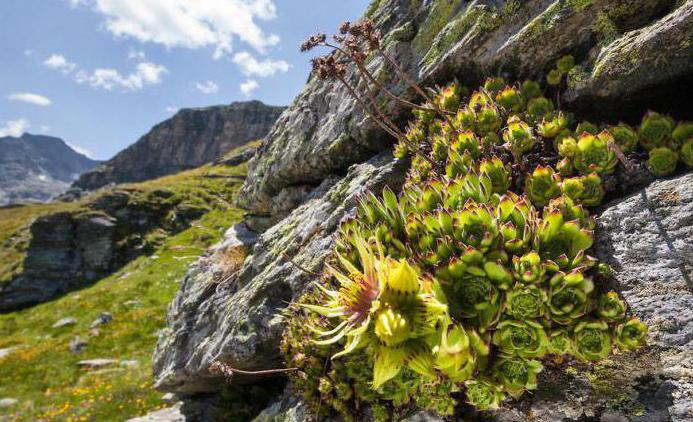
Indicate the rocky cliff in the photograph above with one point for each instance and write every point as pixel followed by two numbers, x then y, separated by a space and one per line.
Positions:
pixel 323 153
pixel 37 168
pixel 189 139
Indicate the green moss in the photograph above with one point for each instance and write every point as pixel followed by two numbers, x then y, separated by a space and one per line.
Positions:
pixel 605 29
pixel 372 8
pixel 544 22
pixel 441 12
pixel 579 5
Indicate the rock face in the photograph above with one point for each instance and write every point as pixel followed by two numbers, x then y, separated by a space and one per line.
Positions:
pixel 36 168
pixel 189 139
pixel 620 47
pixel 72 249
pixel 304 178
pixel 237 318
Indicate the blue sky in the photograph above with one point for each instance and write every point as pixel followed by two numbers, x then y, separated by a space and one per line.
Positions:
pixel 101 73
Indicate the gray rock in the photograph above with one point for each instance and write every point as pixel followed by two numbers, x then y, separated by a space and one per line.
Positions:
pixel 7 402
pixel 168 414
pixel 103 318
pixel 96 363
pixel 77 345
pixel 64 322
pixel 238 321
pixel 168 397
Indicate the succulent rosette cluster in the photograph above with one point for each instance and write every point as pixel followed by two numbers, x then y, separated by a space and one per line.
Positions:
pixel 479 269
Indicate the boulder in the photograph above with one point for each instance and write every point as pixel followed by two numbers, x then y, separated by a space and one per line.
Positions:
pixel 64 322
pixel 238 321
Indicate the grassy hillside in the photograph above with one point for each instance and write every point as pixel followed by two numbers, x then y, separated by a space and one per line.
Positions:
pixel 41 372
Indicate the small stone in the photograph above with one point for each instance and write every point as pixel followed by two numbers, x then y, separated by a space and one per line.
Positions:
pixel 94 332
pixel 7 402
pixel 6 352
pixel 65 322
pixel 129 363
pixel 132 303
pixel 96 363
pixel 169 397
pixel 77 344
pixel 104 318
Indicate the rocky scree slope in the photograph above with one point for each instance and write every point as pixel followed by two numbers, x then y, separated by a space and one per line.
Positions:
pixel 189 139
pixel 307 176
pixel 35 168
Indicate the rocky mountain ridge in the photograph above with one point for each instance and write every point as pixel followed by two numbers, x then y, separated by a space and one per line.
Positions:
pixel 189 139
pixel 36 168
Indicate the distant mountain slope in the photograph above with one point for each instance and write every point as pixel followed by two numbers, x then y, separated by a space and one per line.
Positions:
pixel 189 139
pixel 36 168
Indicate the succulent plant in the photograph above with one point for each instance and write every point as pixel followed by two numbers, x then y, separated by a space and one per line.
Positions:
pixel 687 153
pixel 488 120
pixel 542 185
pixel 593 154
pixel 511 99
pixel 461 280
pixel 518 136
pixel 624 136
pixel 662 161
pixel 586 190
pixel 497 172
pixel 530 89
pixel 386 304
pixel 457 351
pixel 494 85
pixel 468 142
pixel 655 129
pixel 611 307
pixel 682 134
pixel 560 342
pixel 484 395
pixel 554 77
pixel 630 335
pixel 552 125
pixel 591 340
pixel 517 374
pixel 529 268
pixel 526 302
pixel 524 338
pixel 539 106
pixel 586 127
pixel 516 217
pixel 569 296
pixel 565 64
pixel 571 210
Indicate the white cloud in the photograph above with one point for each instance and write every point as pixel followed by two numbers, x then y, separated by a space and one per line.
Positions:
pixel 14 127
pixel 27 97
pixel 171 109
pixel 45 128
pixel 59 62
pixel 252 67
pixel 208 87
pixel 144 74
pixel 135 54
pixel 188 23
pixel 28 52
pixel 249 86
